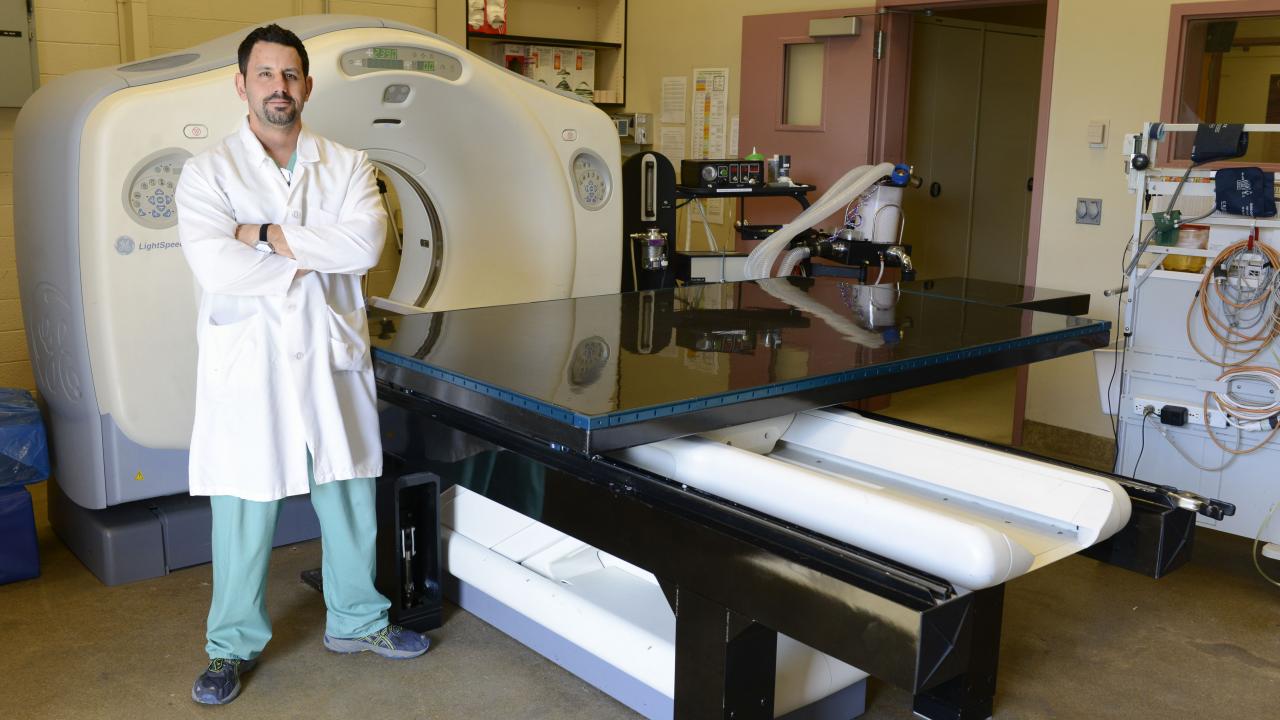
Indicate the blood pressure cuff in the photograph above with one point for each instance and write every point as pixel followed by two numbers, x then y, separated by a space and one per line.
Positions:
pixel 1219 141
pixel 1245 191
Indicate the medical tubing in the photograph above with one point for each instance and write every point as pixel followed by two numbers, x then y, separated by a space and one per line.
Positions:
pixel 1177 191
pixel 1257 540
pixel 1164 432
pixel 1246 337
pixel 706 225
pixel 1242 409
pixel 782 289
pixel 1237 409
pixel 1228 335
pixel 793 258
pixel 635 280
pixel 761 260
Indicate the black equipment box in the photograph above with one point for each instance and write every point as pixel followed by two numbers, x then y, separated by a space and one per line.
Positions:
pixel 722 173
pixel 409 562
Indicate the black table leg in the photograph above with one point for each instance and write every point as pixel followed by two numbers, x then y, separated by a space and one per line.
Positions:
pixel 725 663
pixel 969 696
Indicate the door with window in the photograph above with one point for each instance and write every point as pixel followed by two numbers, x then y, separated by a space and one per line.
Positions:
pixel 810 98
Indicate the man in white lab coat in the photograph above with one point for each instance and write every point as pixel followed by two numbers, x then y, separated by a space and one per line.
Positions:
pixel 279 225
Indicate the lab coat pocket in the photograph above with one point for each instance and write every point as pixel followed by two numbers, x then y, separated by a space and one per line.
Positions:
pixel 349 341
pixel 235 353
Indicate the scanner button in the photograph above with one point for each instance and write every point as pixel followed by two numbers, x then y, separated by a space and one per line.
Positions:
pixel 196 132
pixel 569 135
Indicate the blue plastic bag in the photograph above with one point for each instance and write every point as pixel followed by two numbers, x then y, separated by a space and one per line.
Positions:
pixel 19 546
pixel 24 448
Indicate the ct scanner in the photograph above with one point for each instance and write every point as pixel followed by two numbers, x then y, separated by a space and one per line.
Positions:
pixel 508 196
pixel 105 288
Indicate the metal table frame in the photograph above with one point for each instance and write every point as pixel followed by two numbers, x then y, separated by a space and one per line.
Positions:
pixel 754 576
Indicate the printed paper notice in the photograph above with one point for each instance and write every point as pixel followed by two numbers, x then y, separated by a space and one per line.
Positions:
pixel 733 137
pixel 709 113
pixel 674 91
pixel 671 144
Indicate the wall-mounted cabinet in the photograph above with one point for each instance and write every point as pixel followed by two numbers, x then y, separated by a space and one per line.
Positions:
pixel 597 26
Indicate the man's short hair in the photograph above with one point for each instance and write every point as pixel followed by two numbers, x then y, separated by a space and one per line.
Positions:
pixel 273 34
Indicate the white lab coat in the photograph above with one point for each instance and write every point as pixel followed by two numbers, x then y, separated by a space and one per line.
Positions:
pixel 284 364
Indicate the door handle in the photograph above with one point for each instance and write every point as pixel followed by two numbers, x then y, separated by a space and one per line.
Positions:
pixel 935 189
pixel 1031 183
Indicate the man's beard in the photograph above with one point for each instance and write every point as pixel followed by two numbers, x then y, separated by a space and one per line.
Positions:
pixel 278 118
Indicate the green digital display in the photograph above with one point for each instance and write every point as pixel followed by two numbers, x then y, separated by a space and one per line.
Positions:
pixel 401 58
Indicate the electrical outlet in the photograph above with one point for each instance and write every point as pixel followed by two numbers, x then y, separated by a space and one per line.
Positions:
pixel 1195 413
pixel 1088 211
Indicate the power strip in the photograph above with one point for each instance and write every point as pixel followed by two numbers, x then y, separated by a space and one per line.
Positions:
pixel 1195 412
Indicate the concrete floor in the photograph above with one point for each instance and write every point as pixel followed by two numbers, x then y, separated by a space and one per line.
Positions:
pixel 1081 639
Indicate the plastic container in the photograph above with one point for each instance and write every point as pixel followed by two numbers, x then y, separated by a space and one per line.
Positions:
pixel 1194 237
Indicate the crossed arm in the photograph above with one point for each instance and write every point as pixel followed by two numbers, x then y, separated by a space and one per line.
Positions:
pixel 248 234
pixel 222 255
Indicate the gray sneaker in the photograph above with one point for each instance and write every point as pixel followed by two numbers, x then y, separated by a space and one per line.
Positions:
pixel 219 684
pixel 391 641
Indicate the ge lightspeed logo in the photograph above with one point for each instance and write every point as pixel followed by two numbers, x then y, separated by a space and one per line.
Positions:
pixel 125 245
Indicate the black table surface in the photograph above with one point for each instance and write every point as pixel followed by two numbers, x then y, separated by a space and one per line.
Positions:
pixel 604 372
pixel 1065 302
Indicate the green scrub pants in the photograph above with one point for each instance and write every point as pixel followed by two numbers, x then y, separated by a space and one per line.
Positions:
pixel 242 531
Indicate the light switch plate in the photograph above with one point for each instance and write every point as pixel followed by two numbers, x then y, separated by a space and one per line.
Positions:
pixel 1098 134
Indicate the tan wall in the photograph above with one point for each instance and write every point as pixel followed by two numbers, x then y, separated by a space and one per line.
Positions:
pixel 1103 70
pixel 15 369
pixel 179 24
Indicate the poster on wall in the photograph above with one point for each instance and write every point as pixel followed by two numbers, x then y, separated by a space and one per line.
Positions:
pixel 671 144
pixel 709 112
pixel 709 123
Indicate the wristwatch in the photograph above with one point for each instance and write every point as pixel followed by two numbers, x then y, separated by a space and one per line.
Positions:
pixel 263 246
